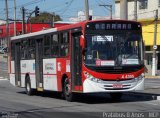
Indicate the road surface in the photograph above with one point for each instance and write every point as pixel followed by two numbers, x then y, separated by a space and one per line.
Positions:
pixel 14 103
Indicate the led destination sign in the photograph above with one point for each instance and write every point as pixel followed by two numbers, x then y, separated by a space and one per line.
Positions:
pixel 113 26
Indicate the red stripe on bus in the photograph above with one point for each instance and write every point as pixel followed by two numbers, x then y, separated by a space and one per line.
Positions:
pixel 34 74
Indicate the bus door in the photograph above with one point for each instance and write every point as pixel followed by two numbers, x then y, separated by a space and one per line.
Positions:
pixel 39 63
pixel 17 65
pixel 76 61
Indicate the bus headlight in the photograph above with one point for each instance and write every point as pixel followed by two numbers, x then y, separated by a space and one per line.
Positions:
pixel 95 80
pixel 90 77
pixel 139 77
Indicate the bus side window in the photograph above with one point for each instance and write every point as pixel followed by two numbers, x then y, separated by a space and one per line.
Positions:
pixel 64 48
pixel 47 43
pixel 55 45
pixel 31 49
pixel 24 49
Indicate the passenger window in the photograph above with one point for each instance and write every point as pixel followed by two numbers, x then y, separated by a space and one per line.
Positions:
pixel 64 47
pixel 55 45
pixel 54 40
pixel 31 49
pixel 47 43
pixel 24 49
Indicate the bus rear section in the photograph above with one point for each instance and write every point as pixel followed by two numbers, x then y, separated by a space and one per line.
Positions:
pixel 88 57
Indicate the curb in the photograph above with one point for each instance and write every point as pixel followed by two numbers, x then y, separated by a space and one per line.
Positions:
pixel 149 96
pixel 152 77
pixel 5 79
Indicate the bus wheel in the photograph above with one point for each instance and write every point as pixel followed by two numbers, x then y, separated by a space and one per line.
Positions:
pixel 116 96
pixel 29 90
pixel 67 91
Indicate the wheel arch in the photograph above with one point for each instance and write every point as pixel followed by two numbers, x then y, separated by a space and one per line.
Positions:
pixel 64 76
pixel 27 75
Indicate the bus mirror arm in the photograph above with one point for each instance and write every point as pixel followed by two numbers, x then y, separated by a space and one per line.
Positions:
pixel 84 51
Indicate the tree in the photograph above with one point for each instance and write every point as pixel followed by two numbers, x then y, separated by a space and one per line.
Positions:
pixel 45 17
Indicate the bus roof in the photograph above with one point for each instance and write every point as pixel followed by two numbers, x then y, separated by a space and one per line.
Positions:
pixel 34 34
pixel 47 31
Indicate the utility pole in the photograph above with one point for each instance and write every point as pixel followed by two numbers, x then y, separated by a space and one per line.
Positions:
pixel 135 10
pixel 23 20
pixel 54 15
pixel 7 34
pixel 123 9
pixel 15 18
pixel 7 24
pixel 108 7
pixel 154 67
pixel 86 9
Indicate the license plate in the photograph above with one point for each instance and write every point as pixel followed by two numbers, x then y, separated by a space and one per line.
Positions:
pixel 117 86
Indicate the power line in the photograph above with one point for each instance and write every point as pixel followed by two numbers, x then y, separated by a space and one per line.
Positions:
pixel 67 7
pixel 27 4
pixel 98 2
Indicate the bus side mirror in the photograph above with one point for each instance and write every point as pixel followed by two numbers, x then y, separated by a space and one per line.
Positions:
pixel 82 42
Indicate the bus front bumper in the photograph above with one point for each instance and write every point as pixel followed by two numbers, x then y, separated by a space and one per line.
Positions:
pixel 90 86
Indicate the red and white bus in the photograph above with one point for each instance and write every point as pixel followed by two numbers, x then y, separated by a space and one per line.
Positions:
pixel 87 57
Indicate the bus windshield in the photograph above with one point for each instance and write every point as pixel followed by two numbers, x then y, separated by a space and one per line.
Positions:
pixel 121 48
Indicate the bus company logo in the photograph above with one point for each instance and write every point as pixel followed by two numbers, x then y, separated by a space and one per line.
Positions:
pixel 49 66
pixel 24 65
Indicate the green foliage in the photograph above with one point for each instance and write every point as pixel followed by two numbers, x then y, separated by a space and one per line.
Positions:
pixel 45 17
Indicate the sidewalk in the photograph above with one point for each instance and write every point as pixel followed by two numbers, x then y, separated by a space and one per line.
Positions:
pixel 152 77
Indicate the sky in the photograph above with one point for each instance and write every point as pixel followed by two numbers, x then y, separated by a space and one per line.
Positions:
pixel 65 8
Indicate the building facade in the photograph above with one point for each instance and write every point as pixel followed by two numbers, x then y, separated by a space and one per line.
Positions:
pixel 29 28
pixel 145 15
pixel 145 9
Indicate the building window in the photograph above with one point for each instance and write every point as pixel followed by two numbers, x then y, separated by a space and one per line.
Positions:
pixel 143 4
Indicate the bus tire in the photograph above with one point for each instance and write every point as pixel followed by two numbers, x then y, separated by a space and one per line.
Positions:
pixel 68 95
pixel 29 90
pixel 116 96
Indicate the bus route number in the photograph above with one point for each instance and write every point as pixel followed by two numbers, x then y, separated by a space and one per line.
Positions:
pixel 128 76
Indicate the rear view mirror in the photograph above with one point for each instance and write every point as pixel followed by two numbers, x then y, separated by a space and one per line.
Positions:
pixel 82 42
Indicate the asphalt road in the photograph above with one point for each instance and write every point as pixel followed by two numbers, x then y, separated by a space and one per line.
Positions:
pixel 3 70
pixel 14 103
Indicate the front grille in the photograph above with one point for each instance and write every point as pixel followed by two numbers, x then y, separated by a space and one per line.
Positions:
pixel 118 85
pixel 116 88
pixel 111 86
pixel 121 80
